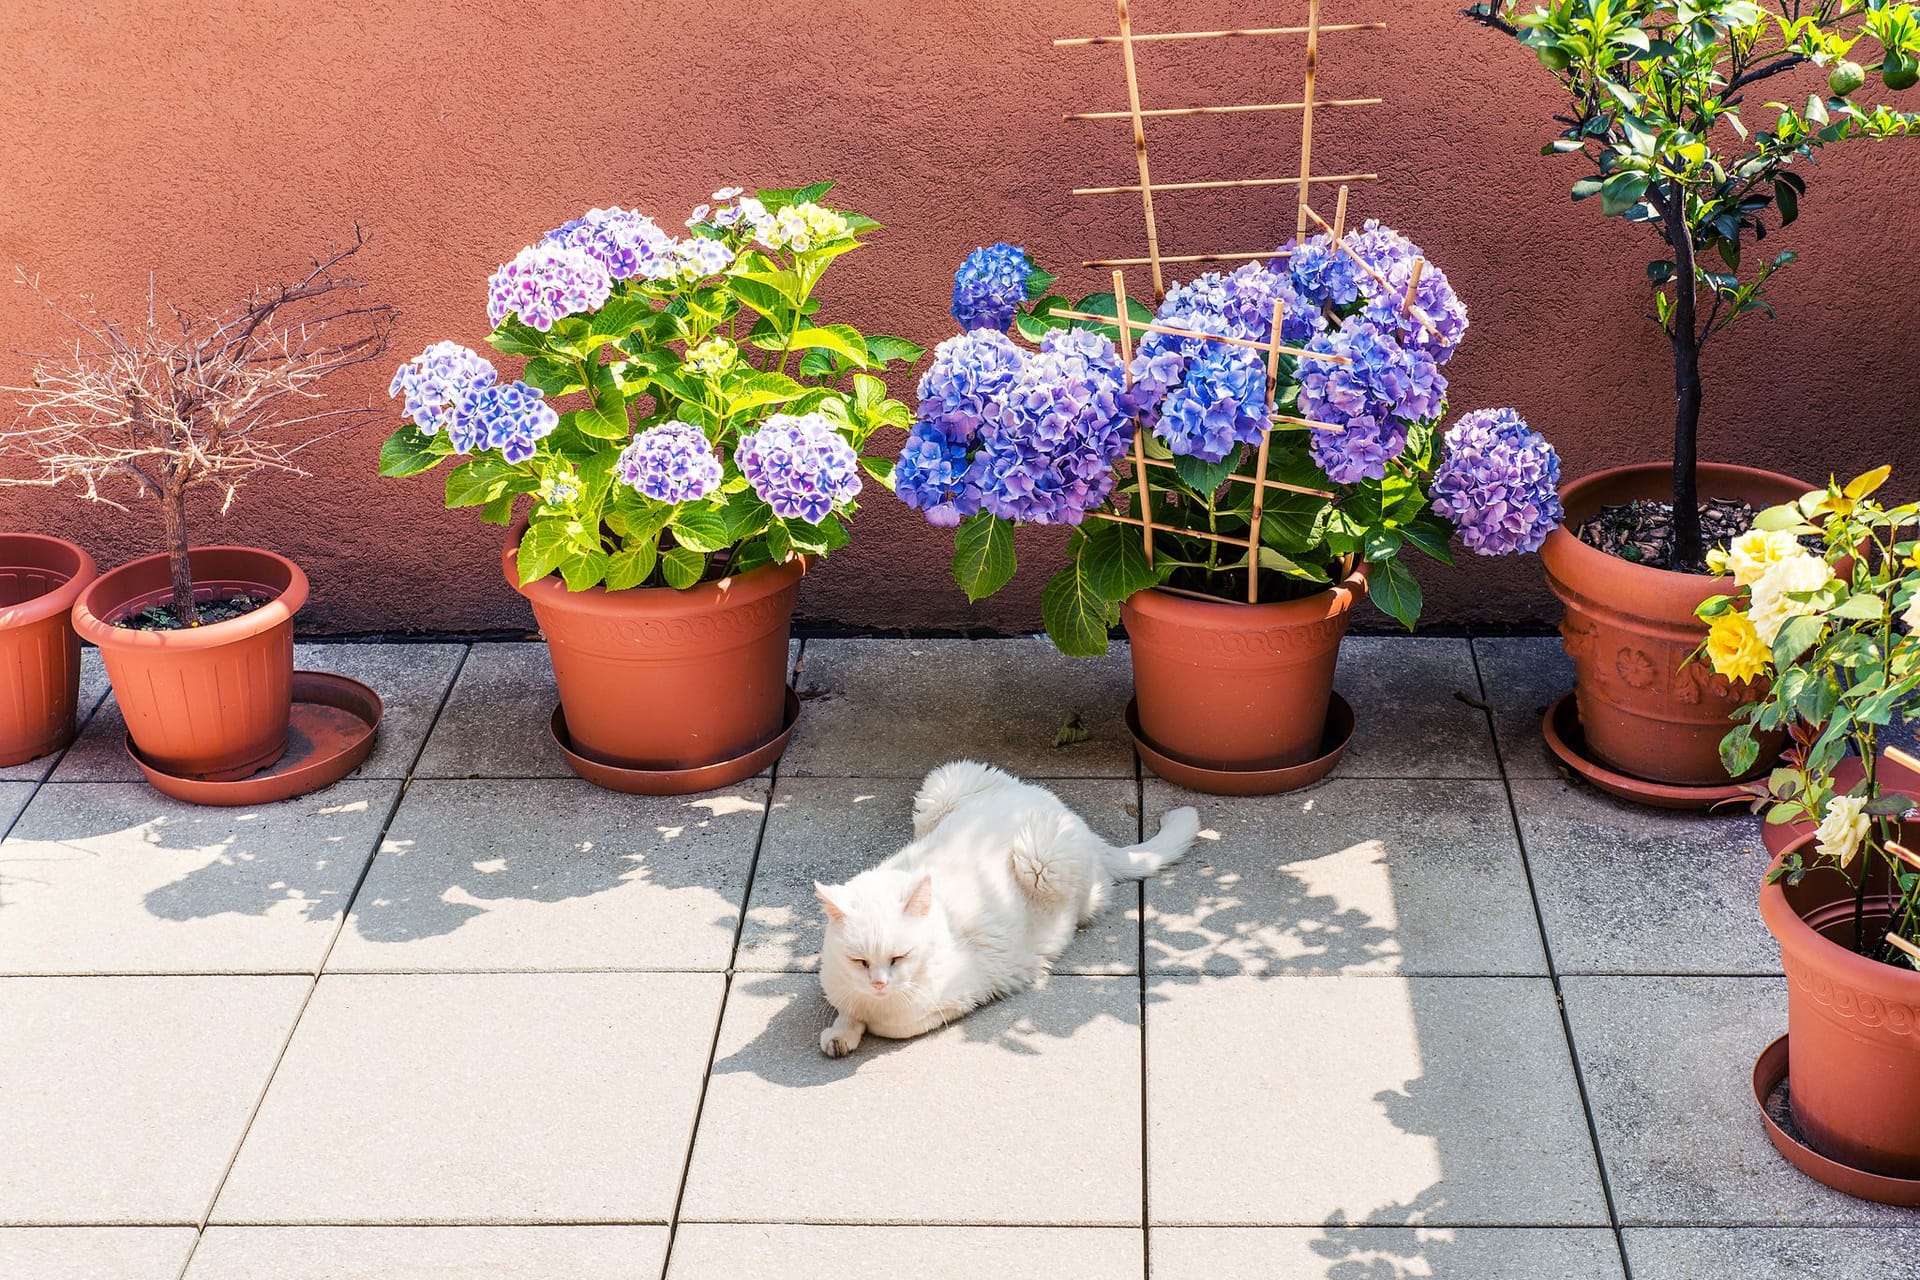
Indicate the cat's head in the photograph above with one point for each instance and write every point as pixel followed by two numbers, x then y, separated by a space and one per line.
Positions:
pixel 879 930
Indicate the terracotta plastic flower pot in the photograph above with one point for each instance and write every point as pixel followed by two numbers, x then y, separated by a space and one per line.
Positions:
pixel 40 578
pixel 1853 1025
pixel 656 679
pixel 209 702
pixel 1237 686
pixel 1644 710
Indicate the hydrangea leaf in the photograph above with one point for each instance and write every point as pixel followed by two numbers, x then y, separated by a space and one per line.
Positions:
pixel 1115 558
pixel 481 480
pixel 883 349
pixel 409 451
pixel 542 547
pixel 682 567
pixel 762 389
pixel 983 559
pixel 631 565
pixel 701 528
pixel 584 569
pixel 1394 589
pixel 841 339
pixel 1077 617
pixel 1207 477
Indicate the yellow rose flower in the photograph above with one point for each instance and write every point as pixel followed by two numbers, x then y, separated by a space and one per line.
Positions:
pixel 1734 647
pixel 1752 552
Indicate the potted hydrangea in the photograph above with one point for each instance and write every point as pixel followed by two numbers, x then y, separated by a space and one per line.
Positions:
pixel 1236 693
pixel 683 437
pixel 1830 639
pixel 1665 109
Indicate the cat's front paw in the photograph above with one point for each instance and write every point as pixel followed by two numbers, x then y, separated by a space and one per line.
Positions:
pixel 838 1042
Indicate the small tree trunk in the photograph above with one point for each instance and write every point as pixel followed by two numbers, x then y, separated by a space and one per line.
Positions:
pixel 173 514
pixel 1687 550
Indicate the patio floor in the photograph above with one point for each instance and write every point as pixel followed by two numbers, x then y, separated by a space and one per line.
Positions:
pixel 462 1015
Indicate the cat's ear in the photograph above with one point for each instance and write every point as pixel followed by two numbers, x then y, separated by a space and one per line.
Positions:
pixel 920 901
pixel 828 903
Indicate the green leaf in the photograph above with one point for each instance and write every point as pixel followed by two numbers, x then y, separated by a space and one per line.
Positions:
pixel 682 567
pixel 542 547
pixel 1864 607
pixel 700 528
pixel 1039 281
pixel 619 317
pixel 1077 617
pixel 1738 751
pixel 1432 535
pixel 517 339
pixel 983 559
pixel 785 284
pixel 409 451
pixel 1382 544
pixel 762 389
pixel 584 569
pixel 1395 590
pixel 880 469
pixel 1781 518
pixel 1103 304
pixel 1271 559
pixel 1621 192
pixel 1206 477
pixel 481 480
pixel 631 565
pixel 841 339
pixel 605 420
pixel 883 349
pixel 1115 560
pixel 1788 201
pixel 1796 638
pixel 1587 187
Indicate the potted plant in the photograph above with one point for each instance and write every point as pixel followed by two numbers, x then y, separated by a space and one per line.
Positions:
pixel 40 578
pixel 198 640
pixel 1235 595
pixel 682 439
pixel 1659 96
pixel 1831 638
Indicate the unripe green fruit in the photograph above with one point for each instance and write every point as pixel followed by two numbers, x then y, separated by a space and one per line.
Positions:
pixel 1552 57
pixel 1845 78
pixel 1900 71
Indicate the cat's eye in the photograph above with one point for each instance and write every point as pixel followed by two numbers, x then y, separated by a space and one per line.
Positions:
pixel 859 960
pixel 897 959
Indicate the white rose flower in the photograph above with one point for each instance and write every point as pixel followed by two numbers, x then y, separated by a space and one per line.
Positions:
pixel 1750 554
pixel 1771 605
pixel 1843 828
pixel 1912 615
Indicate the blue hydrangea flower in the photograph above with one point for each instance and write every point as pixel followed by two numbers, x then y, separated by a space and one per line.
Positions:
pixel 934 476
pixel 671 462
pixel 1499 483
pixel 970 371
pixel 1393 255
pixel 1049 445
pixel 990 286
pixel 624 241
pixel 438 380
pixel 1382 391
pixel 509 416
pixel 801 466
pixel 547 282
pixel 1321 274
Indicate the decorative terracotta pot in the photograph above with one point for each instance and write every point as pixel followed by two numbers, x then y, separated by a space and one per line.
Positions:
pixel 1853 1024
pixel 40 578
pixel 1644 709
pixel 657 679
pixel 1237 686
pixel 209 702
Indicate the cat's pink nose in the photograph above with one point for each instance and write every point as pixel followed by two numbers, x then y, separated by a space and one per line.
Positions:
pixel 879 984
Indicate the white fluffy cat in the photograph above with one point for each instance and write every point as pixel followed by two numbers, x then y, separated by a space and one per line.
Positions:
pixel 983 901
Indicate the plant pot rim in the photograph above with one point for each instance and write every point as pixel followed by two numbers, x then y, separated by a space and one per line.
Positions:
pixel 59 600
pixel 96 609
pixel 1788 929
pixel 733 590
pixel 1336 598
pixel 1576 557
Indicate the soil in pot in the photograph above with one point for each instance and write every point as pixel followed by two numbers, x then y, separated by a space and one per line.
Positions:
pixel 160 617
pixel 1641 531
pixel 40 578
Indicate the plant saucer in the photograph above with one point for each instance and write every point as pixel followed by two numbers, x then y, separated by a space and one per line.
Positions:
pixel 1249 782
pixel 1772 1092
pixel 1568 742
pixel 675 782
pixel 329 735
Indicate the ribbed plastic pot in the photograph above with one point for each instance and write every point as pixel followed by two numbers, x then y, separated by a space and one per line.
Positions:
pixel 1644 709
pixel 1237 686
pixel 209 702
pixel 1853 1025
pixel 658 679
pixel 40 578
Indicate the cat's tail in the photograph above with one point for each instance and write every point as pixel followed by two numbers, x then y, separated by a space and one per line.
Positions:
pixel 1177 831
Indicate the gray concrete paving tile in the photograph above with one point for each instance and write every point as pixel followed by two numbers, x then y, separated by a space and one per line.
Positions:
pixel 495 722
pixel 430 1253
pixel 1627 889
pixel 94 1253
pixel 1774 1253
pixel 1408 723
pixel 1385 1253
pixel 125 1097
pixel 411 679
pixel 13 799
pixel 1668 1064
pixel 93 687
pixel 760 1251
pixel 554 873
pixel 114 877
pixel 1372 1100
pixel 831 829
pixel 480 1098
pixel 1066 1153
pixel 999 701
pixel 1522 677
pixel 1350 876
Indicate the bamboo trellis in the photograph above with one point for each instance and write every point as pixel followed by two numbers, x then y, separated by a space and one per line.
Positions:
pixel 1274 347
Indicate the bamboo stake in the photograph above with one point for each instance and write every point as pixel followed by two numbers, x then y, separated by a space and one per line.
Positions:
pixel 1225 183
pixel 1903 853
pixel 1140 145
pixel 1129 322
pixel 1237 478
pixel 1900 942
pixel 1183 257
pixel 1341 245
pixel 1117 518
pixel 1306 115
pixel 1905 759
pixel 1413 285
pixel 1139 445
pixel 1340 216
pixel 1260 466
pixel 1084 41
pixel 1167 112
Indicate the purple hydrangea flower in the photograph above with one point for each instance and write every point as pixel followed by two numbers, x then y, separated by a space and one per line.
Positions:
pixel 699 257
pixel 1498 483
pixel 800 465
pixel 624 241
pixel 1322 274
pixel 508 416
pixel 438 381
pixel 969 372
pixel 990 286
pixel 671 462
pixel 1383 390
pixel 1393 255
pixel 1048 447
pixel 547 282
pixel 934 476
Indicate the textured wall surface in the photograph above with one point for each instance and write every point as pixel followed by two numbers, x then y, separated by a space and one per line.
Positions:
pixel 216 144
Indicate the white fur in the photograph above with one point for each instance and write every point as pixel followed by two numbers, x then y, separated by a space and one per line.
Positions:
pixel 980 905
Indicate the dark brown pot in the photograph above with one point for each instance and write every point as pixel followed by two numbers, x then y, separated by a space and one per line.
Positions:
pixel 1237 686
pixel 1853 1024
pixel 209 702
pixel 1644 709
pixel 657 679
pixel 40 578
